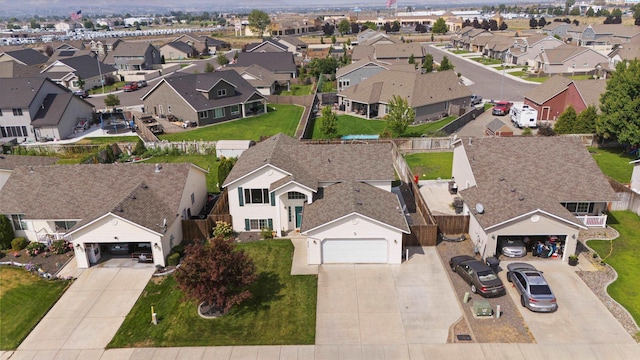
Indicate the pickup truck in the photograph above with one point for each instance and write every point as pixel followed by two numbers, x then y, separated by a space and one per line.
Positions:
pixel 501 108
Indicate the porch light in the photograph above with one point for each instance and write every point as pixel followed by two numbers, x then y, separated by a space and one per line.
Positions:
pixel 156 246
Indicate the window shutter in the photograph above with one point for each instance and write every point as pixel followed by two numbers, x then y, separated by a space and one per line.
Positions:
pixel 241 196
pixel 273 199
pixel 247 225
pixel 270 224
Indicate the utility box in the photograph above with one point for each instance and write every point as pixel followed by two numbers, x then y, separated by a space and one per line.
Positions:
pixel 481 307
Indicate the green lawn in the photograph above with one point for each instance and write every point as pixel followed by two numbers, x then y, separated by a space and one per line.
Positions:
pixel 281 311
pixel 614 163
pixel 298 90
pixel 280 118
pixel 204 161
pixel 431 165
pixel 460 52
pixel 25 299
pixel 352 125
pixel 486 61
pixel 581 77
pixel 538 79
pixel 104 140
pixel 623 254
pixel 107 88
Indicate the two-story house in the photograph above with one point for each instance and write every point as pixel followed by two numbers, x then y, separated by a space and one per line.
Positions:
pixel 37 108
pixel 338 195
pixel 134 56
pixel 68 72
pixel 205 98
pixel 525 49
pixel 568 59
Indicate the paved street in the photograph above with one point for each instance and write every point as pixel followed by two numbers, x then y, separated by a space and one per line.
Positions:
pixel 487 82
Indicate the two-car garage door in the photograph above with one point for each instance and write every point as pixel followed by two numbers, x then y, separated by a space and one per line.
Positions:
pixel 354 251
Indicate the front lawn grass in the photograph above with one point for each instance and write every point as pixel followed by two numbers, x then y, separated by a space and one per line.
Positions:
pixel 104 140
pixel 486 61
pixel 459 52
pixel 352 125
pixel 25 299
pixel 614 163
pixel 298 90
pixel 431 165
pixel 107 88
pixel 209 162
pixel 282 310
pixel 623 254
pixel 279 119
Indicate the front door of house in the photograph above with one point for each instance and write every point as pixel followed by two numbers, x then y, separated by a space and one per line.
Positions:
pixel 298 216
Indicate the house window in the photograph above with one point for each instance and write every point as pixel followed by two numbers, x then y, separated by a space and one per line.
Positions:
pixel 64 225
pixel 258 224
pixel 235 109
pixel 203 114
pixel 218 113
pixel 17 112
pixel 222 92
pixel 579 207
pixel 18 223
pixel 14 131
pixel 256 196
pixel 295 195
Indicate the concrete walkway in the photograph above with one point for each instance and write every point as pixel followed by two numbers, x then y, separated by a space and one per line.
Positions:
pixel 299 265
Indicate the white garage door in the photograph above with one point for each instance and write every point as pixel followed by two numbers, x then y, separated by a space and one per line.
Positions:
pixel 354 251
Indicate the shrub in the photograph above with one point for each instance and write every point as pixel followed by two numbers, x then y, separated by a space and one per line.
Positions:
pixel 6 232
pixel 35 248
pixel 173 259
pixel 178 249
pixel 60 247
pixel 19 243
pixel 266 233
pixel 222 229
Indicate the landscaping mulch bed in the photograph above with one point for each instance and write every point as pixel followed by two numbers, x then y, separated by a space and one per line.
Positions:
pixel 509 328
pixel 50 263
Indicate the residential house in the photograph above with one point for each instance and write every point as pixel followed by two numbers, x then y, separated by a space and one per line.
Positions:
pixel 288 24
pixel 27 57
pixel 134 56
pixel 318 52
pixel 205 98
pixel 276 62
pixel 37 108
pixel 431 95
pixel 525 49
pixel 104 46
pixel 338 195
pixel 392 53
pixel 10 162
pixel 557 28
pixel 142 205
pixel 568 59
pixel 267 45
pixel 262 79
pixel 471 39
pixel 635 176
pixel 358 71
pixel 67 72
pixel 624 52
pixel 204 44
pixel 177 50
pixel 498 47
pixel 600 34
pixel 293 44
pixel 61 54
pixel 371 37
pixel 552 97
pixel 533 188
pixel 9 69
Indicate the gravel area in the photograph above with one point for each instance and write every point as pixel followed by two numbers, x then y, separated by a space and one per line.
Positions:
pixel 598 280
pixel 509 328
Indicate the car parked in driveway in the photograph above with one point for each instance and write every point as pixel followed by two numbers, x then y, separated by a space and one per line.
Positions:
pixel 476 99
pixel 512 247
pixel 132 86
pixel 535 293
pixel 501 108
pixel 478 275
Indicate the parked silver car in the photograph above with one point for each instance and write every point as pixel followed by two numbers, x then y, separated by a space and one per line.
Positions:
pixel 512 247
pixel 535 293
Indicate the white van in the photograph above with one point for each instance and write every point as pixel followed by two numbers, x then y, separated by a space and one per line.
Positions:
pixel 523 116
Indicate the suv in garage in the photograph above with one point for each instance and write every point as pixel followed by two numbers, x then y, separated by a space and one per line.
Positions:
pixel 501 108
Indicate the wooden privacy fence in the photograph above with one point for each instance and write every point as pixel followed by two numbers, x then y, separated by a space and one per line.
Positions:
pixel 421 235
pixel 193 229
pixel 452 224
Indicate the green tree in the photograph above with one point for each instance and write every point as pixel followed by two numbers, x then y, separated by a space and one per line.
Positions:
pixel 575 11
pixel 590 12
pixel 616 12
pixel 344 26
pixel 586 123
pixel 80 82
pixel 88 24
pixel 111 100
pixel 140 148
pixel 400 115
pixel 445 64
pixel 216 274
pixel 329 123
pixel 224 168
pixel 6 232
pixel 221 59
pixel 427 65
pixel 566 121
pixel 208 67
pixel 412 59
pixel 369 25
pixel 440 27
pixel 333 40
pixel 620 105
pixel 258 21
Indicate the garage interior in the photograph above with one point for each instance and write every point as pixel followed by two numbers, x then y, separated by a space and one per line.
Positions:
pixel 543 246
pixel 98 252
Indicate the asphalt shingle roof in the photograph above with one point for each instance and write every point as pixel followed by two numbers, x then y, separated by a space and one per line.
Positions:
pixel 10 162
pixel 86 66
pixel 518 175
pixel 19 92
pixel 28 56
pixel 273 61
pixel 182 46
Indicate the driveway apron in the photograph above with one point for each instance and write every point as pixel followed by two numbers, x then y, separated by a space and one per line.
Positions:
pixel 90 312
pixel 385 304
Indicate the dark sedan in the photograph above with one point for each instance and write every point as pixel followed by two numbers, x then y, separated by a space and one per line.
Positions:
pixel 478 275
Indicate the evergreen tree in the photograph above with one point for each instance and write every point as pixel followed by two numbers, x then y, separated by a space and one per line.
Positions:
pixel 329 123
pixel 566 121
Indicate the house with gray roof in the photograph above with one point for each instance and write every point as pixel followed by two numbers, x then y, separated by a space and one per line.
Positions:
pixel 27 57
pixel 624 52
pixel 177 50
pixel 525 49
pixel 262 79
pixel 205 98
pixel 276 62
pixel 36 108
pixel 293 44
pixel 555 95
pixel 9 69
pixel 10 162
pixel 140 205
pixel 267 45
pixel 431 95
pixel 338 195
pixel 134 56
pixel 568 58
pixel 548 196
pixel 204 44
pixel 67 72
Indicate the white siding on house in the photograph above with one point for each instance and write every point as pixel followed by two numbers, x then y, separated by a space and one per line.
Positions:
pixel 635 177
pixel 461 170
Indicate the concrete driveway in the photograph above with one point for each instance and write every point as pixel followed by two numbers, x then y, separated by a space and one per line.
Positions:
pixel 581 317
pixel 90 312
pixel 411 303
